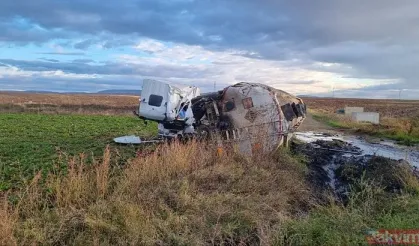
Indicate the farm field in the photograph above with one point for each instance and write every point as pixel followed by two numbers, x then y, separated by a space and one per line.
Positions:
pixel 63 182
pixel 33 142
pixel 60 99
pixel 399 120
pixel 387 108
pixel 116 104
pixel 68 103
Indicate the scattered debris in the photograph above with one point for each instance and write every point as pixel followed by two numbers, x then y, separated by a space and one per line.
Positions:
pixel 132 139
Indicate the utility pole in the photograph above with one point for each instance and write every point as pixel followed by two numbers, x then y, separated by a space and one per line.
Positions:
pixel 215 86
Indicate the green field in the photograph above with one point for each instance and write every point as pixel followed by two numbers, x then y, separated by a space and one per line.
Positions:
pixel 33 142
pixel 180 194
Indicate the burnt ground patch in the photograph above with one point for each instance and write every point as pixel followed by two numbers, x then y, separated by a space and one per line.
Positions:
pixel 336 168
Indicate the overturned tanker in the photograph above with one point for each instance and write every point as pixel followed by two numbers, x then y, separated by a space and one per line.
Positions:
pixel 246 116
pixel 251 116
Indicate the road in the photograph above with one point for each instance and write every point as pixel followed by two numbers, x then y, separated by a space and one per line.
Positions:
pixel 312 125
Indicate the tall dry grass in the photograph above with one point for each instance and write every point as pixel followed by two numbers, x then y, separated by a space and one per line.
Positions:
pixel 177 195
pixel 405 130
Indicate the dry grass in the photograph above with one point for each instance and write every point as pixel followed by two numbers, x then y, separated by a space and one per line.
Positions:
pixel 7 223
pixel 399 119
pixel 405 130
pixel 177 195
pixel 386 108
pixel 67 99
pixel 67 103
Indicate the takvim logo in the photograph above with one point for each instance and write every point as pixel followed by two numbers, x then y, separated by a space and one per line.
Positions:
pixel 393 237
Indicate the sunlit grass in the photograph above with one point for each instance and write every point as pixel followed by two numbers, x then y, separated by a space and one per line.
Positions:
pixel 403 130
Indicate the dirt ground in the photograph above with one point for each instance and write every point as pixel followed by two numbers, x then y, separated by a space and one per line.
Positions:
pixel 68 103
pixel 311 124
pixel 67 99
pixel 387 108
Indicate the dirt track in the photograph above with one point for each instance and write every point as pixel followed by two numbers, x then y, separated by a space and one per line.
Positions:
pixel 311 124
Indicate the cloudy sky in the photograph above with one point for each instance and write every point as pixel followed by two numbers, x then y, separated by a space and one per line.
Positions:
pixel 356 48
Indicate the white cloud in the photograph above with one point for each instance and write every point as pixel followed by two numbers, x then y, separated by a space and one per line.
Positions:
pixel 189 64
pixel 10 72
pixel 229 67
pixel 149 45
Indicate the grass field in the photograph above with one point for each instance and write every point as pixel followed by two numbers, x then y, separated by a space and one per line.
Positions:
pixel 189 195
pixel 399 120
pixel 30 142
pixel 180 194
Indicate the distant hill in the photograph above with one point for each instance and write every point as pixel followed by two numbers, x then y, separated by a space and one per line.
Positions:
pixel 42 92
pixel 312 96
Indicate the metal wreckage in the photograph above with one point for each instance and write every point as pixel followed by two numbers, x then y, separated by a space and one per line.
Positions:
pixel 246 116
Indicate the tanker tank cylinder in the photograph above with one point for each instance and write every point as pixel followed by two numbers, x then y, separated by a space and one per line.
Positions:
pixel 252 117
pixel 264 117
